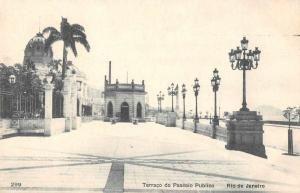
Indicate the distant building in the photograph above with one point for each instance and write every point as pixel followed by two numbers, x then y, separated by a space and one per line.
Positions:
pixel 91 98
pixel 124 101
pixel 95 99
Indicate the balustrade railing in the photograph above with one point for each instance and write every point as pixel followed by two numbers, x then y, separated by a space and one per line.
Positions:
pixel 125 87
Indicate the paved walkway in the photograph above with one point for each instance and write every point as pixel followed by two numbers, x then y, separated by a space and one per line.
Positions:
pixel 147 157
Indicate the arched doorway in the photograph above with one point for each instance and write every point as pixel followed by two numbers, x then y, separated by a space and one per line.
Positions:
pixel 110 110
pixel 139 110
pixel 124 111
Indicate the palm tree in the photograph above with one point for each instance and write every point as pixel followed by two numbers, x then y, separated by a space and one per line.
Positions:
pixel 69 34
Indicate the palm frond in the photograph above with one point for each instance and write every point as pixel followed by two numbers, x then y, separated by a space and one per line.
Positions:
pixel 53 37
pixel 78 27
pixel 83 41
pixel 59 61
pixel 77 32
pixel 73 47
pixel 50 29
pixel 2 65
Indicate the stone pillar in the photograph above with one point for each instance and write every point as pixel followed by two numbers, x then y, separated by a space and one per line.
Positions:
pixel 133 109
pixel 171 119
pixel 143 110
pixel 67 103
pixel 74 102
pixel 245 133
pixel 80 108
pixel 48 108
pixel 177 103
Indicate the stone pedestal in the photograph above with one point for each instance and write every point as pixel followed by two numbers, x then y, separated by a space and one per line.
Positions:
pixel 48 108
pixel 67 103
pixel 245 133
pixel 171 119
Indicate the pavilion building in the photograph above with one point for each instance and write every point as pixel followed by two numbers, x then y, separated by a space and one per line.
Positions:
pixel 124 101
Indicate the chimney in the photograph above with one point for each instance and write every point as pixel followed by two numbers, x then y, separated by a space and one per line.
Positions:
pixel 109 74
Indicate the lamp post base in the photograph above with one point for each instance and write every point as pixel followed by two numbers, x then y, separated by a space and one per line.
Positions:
pixel 196 120
pixel 216 121
pixel 245 133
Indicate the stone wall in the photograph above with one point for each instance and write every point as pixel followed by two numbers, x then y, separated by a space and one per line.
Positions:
pixel 203 129
pixel 161 118
pixel 5 123
pixel 168 119
pixel 28 126
pixel 221 133
pixel 85 119
pixel 35 126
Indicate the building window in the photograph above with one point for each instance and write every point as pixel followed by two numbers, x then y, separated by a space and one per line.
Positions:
pixel 110 111
pixel 139 110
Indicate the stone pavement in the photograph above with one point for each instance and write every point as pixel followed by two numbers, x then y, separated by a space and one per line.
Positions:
pixel 100 157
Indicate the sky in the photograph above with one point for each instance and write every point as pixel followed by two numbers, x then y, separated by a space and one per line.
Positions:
pixel 172 41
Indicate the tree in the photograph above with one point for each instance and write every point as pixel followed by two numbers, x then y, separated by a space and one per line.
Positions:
pixel 23 91
pixel 69 34
pixel 55 66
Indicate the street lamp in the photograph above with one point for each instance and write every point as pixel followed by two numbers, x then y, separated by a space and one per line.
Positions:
pixel 160 97
pixel 183 91
pixel 289 114
pixel 12 81
pixel 215 83
pixel 196 89
pixel 172 92
pixel 247 62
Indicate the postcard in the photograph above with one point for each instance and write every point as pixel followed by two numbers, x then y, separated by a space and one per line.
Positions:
pixel 144 96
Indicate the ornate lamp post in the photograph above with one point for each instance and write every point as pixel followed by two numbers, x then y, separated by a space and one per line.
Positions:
pixel 160 97
pixel 196 89
pixel 12 81
pixel 183 91
pixel 248 61
pixel 215 83
pixel 172 92
pixel 289 114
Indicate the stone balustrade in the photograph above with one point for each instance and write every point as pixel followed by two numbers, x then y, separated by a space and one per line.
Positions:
pixel 125 87
pixel 203 129
pixel 168 119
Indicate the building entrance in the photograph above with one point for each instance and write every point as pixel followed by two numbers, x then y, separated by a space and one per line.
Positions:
pixel 124 112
